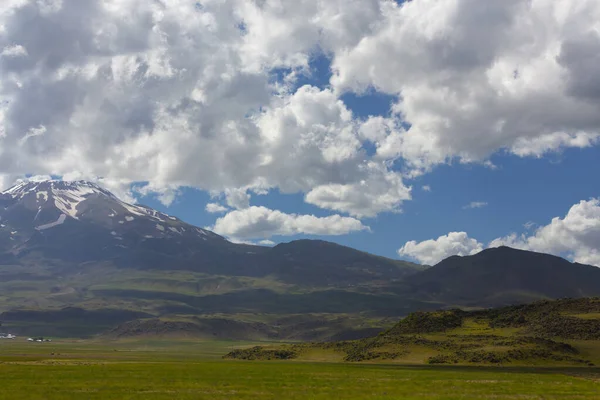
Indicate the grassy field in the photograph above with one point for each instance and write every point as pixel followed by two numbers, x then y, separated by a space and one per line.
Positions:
pixel 195 370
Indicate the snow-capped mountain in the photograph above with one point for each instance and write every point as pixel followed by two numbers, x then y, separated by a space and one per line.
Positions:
pixel 81 220
pixel 48 204
pixel 69 224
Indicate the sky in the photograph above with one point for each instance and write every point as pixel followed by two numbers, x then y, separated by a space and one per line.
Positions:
pixel 413 130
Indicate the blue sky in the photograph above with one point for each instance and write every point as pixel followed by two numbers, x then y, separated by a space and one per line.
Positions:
pixel 516 191
pixel 328 124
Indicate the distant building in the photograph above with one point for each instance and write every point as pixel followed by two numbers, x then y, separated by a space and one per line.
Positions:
pixel 38 339
pixel 7 336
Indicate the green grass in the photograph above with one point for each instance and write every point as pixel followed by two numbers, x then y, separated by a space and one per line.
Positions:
pixel 541 334
pixel 194 370
pixel 586 316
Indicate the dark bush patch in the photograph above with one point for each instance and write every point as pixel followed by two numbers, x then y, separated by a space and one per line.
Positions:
pixel 428 322
pixel 260 353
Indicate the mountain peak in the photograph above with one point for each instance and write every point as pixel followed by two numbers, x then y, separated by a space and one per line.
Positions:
pixel 506 251
pixel 44 206
pixel 500 273
pixel 25 186
pixel 64 197
pixel 73 190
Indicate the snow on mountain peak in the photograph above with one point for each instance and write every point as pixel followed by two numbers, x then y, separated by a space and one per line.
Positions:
pixel 65 195
pixel 53 202
pixel 80 188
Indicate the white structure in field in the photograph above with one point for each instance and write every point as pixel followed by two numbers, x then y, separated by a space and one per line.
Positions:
pixel 7 336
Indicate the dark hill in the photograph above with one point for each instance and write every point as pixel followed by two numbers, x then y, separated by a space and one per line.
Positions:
pixel 504 275
pixel 332 264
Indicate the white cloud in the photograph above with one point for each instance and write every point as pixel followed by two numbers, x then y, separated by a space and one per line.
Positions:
pixel 174 94
pixel 261 222
pixel 37 178
pixel 237 198
pixel 14 51
pixel 179 95
pixel 267 243
pixel 576 236
pixel 529 225
pixel 380 191
pixel 241 241
pixel 433 251
pixel 475 204
pixel 426 188
pixel 33 132
pixel 216 208
pixel 475 77
pixel 7 181
pixel 538 146
pixel 165 194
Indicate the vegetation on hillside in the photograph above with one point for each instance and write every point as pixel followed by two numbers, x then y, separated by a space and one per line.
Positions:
pixel 542 332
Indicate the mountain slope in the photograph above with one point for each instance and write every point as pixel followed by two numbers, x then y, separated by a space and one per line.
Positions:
pixel 333 264
pixel 76 244
pixel 505 276
pixel 81 222
pixel 78 222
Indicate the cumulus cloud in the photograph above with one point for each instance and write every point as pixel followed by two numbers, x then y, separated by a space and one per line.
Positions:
pixel 237 198
pixel 216 208
pixel 474 77
pixel 426 188
pixel 182 93
pixel 14 51
pixel 261 222
pixel 475 204
pixel 165 194
pixel 435 250
pixel 380 191
pixel 575 236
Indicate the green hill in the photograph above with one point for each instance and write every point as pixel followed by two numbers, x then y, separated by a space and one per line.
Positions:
pixel 561 332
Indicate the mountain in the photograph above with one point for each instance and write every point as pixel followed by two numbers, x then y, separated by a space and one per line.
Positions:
pixel 76 245
pixel 74 254
pixel 504 275
pixel 80 222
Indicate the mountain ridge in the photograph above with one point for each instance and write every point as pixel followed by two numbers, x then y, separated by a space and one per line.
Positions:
pixel 479 278
pixel 76 245
pixel 32 209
